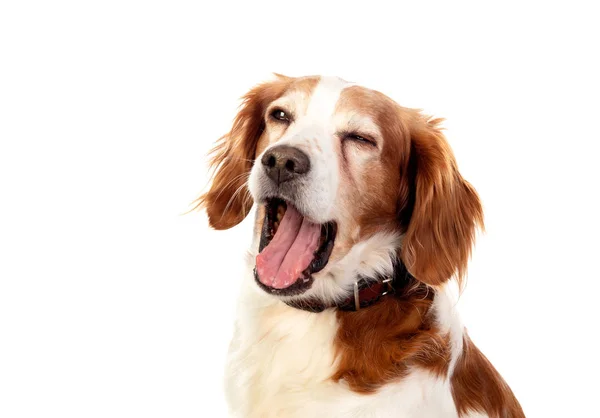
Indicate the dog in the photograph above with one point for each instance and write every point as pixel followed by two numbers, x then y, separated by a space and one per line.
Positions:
pixel 363 231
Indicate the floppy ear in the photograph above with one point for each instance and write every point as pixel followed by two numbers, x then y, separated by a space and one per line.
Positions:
pixel 228 201
pixel 446 210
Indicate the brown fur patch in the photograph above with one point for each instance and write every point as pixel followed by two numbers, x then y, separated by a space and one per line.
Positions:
pixel 415 187
pixel 477 386
pixel 379 344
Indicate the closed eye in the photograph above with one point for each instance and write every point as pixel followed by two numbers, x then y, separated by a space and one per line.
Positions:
pixel 355 137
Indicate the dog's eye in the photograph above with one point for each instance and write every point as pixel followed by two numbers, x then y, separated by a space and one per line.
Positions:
pixel 281 115
pixel 361 139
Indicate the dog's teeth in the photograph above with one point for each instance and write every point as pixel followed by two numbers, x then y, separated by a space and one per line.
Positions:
pixel 280 212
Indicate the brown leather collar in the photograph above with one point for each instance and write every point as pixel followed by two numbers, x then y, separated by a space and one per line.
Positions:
pixel 366 292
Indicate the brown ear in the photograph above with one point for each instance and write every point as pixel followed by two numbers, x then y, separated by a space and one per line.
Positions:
pixel 446 211
pixel 228 201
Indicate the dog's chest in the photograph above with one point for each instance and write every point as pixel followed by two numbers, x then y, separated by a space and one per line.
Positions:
pixel 280 365
pixel 280 360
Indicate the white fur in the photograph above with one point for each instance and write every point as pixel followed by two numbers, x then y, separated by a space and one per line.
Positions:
pixel 281 360
pixel 448 319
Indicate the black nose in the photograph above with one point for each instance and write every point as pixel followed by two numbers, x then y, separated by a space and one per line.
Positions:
pixel 283 163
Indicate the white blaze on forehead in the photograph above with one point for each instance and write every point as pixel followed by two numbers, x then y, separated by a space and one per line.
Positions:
pixel 313 131
pixel 317 123
pixel 324 99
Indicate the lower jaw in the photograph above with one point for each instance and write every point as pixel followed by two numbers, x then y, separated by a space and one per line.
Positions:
pixel 299 287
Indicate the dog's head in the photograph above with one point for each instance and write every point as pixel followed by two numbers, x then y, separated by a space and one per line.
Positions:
pixel 345 181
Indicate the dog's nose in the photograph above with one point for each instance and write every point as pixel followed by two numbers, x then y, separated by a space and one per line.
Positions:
pixel 283 163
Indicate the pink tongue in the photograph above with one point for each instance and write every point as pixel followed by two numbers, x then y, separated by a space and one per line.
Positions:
pixel 290 251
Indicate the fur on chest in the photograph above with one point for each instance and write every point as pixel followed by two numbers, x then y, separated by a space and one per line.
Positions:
pixel 288 362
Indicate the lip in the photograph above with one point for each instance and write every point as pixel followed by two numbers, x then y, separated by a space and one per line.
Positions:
pixel 320 256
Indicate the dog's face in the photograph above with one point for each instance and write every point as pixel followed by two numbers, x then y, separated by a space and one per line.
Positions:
pixel 345 181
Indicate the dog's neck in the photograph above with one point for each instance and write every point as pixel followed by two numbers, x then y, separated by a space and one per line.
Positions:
pixel 366 292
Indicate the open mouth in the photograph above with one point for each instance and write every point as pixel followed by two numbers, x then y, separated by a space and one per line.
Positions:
pixel 291 249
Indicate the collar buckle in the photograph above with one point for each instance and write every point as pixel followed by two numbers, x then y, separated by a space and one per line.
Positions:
pixel 388 286
pixel 387 282
pixel 356 296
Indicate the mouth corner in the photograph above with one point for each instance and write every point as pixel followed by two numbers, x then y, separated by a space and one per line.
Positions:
pixel 321 239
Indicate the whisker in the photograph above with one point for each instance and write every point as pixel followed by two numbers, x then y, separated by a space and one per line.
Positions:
pixel 239 189
pixel 239 176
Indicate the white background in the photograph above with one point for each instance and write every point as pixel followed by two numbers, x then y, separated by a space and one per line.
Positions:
pixel 115 304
